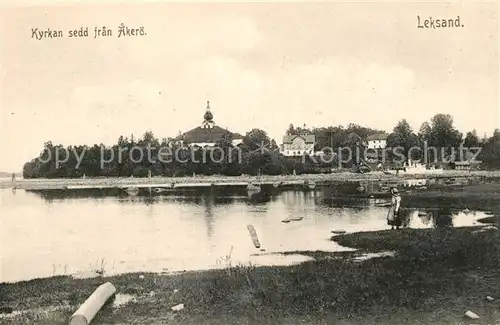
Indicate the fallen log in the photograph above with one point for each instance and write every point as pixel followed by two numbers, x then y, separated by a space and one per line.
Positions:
pixel 91 306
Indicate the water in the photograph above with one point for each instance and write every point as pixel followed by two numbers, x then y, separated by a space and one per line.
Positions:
pixel 42 236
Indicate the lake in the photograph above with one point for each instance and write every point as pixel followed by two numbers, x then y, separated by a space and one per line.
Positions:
pixel 43 235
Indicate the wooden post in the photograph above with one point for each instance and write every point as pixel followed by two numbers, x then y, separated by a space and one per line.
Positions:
pixel 88 310
pixel 149 181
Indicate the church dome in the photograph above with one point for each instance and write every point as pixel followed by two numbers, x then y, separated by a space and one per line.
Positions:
pixel 208 116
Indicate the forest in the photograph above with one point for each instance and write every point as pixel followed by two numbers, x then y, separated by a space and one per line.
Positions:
pixel 257 154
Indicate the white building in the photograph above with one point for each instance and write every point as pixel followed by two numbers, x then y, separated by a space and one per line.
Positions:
pixel 377 141
pixel 298 145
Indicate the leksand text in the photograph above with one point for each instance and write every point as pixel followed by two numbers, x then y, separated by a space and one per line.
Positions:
pixel 433 23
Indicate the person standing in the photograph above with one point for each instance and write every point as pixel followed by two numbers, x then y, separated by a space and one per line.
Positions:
pixel 394 220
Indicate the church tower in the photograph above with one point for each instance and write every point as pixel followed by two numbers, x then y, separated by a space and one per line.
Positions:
pixel 208 121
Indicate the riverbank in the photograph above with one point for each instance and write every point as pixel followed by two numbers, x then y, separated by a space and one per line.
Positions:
pixel 61 183
pixel 435 276
pixel 473 197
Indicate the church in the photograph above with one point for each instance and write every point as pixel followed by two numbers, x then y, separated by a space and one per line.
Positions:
pixel 208 134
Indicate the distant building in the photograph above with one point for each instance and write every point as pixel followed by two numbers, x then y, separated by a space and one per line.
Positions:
pixel 377 141
pixel 463 165
pixel 208 134
pixel 298 145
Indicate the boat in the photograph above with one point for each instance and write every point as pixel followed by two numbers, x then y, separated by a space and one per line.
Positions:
pixel 416 168
pixel 311 185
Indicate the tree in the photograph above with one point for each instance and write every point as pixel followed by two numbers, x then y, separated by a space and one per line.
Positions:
pixel 149 138
pixel 256 139
pixel 353 139
pixel 425 132
pixel 290 130
pixel 362 131
pixel 403 128
pixel 329 137
pixel 471 139
pixel 490 154
pixel 441 137
pixel 403 137
pixel 443 133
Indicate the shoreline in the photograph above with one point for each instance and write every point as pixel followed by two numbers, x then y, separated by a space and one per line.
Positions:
pixel 347 252
pixel 434 276
pixel 454 269
pixel 62 183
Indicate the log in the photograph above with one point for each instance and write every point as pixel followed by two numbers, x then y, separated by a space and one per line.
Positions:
pixel 253 235
pixel 91 306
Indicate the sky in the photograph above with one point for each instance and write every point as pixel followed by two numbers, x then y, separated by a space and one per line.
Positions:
pixel 261 65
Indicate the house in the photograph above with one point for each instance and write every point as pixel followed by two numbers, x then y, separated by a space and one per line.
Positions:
pixel 460 165
pixel 377 141
pixel 208 133
pixel 298 145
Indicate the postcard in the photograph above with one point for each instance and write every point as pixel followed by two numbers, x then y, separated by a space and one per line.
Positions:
pixel 312 162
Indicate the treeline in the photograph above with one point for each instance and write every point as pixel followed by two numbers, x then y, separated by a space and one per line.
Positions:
pixel 444 142
pixel 258 154
pixel 438 135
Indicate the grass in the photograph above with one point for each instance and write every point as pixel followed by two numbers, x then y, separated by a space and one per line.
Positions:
pixel 436 275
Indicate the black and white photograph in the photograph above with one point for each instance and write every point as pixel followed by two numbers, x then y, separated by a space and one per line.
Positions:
pixel 251 163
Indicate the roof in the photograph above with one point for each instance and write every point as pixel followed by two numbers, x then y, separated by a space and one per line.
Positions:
pixel 308 138
pixel 377 136
pixel 461 162
pixel 212 134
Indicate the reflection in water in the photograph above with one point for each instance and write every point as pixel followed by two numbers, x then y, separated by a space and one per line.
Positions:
pixel 356 204
pixel 66 233
pixel 441 218
pixel 209 202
